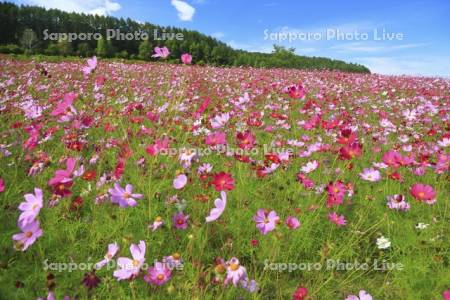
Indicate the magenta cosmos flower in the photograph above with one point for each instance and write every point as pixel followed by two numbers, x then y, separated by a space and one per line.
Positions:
pixel 179 220
pixel 336 219
pixel 159 274
pixel 129 268
pixel 423 192
pixel 292 222
pixel 30 233
pixel 265 221
pixel 123 197
pixel 223 181
pixel 245 140
pixel 30 207
pixel 186 58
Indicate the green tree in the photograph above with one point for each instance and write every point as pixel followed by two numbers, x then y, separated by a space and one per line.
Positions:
pixel 145 50
pixel 64 47
pixel 104 48
pixel 28 39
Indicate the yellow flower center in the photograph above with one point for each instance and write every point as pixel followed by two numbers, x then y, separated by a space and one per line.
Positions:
pixel 234 267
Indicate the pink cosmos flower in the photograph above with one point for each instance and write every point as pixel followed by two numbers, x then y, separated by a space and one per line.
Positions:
pixel 350 151
pixel 300 293
pixel 217 211
pixel 397 202
pixel 158 146
pixel 370 174
pixel 186 58
pixel 446 295
pixel 296 91
pixel 363 295
pixel 112 250
pixel 158 275
pixel 30 233
pixel 91 65
pixel 30 207
pixel 130 268
pixel 392 158
pixel 51 296
pixel 2 185
pixel 443 163
pixel 265 221
pixel 338 220
pixel 64 176
pixel 124 197
pixel 423 192
pixel 179 220
pixel 161 52
pixel 33 139
pixel 156 224
pixel 235 272
pixel 336 192
pixel 216 138
pixel 292 222
pixel 180 181
pixel 64 109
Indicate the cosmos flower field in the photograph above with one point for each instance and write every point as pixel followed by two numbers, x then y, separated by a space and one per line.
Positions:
pixel 152 180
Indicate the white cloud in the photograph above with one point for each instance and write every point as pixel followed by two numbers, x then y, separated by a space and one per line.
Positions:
pixel 100 7
pixel 250 47
pixel 185 11
pixel 409 65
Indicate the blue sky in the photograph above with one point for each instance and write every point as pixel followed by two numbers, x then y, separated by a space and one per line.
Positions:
pixel 424 25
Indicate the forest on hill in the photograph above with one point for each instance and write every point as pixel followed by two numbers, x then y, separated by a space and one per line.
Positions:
pixel 36 30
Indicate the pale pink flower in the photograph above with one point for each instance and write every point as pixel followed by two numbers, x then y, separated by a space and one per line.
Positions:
pixel 217 211
pixel 180 181
pixel 130 268
pixel 30 207
pixel 310 166
pixel 363 295
pixel 370 175
pixel 112 250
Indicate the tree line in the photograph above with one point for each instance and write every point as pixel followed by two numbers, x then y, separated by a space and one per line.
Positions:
pixel 27 30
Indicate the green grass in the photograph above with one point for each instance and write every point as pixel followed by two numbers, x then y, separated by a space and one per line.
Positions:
pixel 82 236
